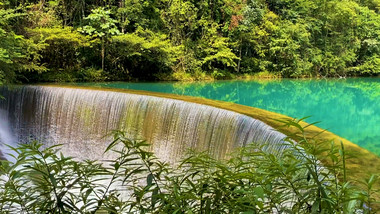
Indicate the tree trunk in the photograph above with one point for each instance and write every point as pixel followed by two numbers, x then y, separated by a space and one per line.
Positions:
pixel 122 4
pixel 241 45
pixel 103 53
pixel 83 15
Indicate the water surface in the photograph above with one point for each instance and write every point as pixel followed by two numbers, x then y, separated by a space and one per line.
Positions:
pixel 347 107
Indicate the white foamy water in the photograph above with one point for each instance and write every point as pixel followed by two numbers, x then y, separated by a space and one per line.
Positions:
pixel 6 136
pixel 80 118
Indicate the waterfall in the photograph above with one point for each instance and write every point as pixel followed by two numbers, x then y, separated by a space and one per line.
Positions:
pixel 6 137
pixel 80 118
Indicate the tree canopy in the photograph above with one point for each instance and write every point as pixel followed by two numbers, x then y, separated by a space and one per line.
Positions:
pixel 66 40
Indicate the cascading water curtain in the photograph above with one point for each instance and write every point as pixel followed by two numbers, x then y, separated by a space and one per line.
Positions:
pixel 7 138
pixel 80 119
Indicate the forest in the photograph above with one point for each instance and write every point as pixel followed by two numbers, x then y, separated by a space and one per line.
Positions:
pixel 104 40
pixel 96 146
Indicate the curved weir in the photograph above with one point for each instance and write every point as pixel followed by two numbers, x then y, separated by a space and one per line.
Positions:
pixel 80 118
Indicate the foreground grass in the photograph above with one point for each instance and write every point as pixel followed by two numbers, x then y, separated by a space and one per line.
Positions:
pixel 252 180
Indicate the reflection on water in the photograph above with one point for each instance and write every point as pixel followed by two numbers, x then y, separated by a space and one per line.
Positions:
pixel 349 108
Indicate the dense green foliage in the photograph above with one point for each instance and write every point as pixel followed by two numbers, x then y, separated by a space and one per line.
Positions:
pixel 66 40
pixel 252 181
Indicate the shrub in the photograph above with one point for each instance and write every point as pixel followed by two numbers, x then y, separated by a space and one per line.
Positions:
pixel 42 180
pixel 91 74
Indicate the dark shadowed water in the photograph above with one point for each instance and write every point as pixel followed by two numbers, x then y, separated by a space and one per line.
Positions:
pixel 348 107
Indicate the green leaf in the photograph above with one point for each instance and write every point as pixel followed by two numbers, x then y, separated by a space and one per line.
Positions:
pixel 259 191
pixel 149 179
pixel 53 180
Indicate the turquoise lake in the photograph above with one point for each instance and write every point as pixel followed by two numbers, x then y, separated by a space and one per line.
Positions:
pixel 347 107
